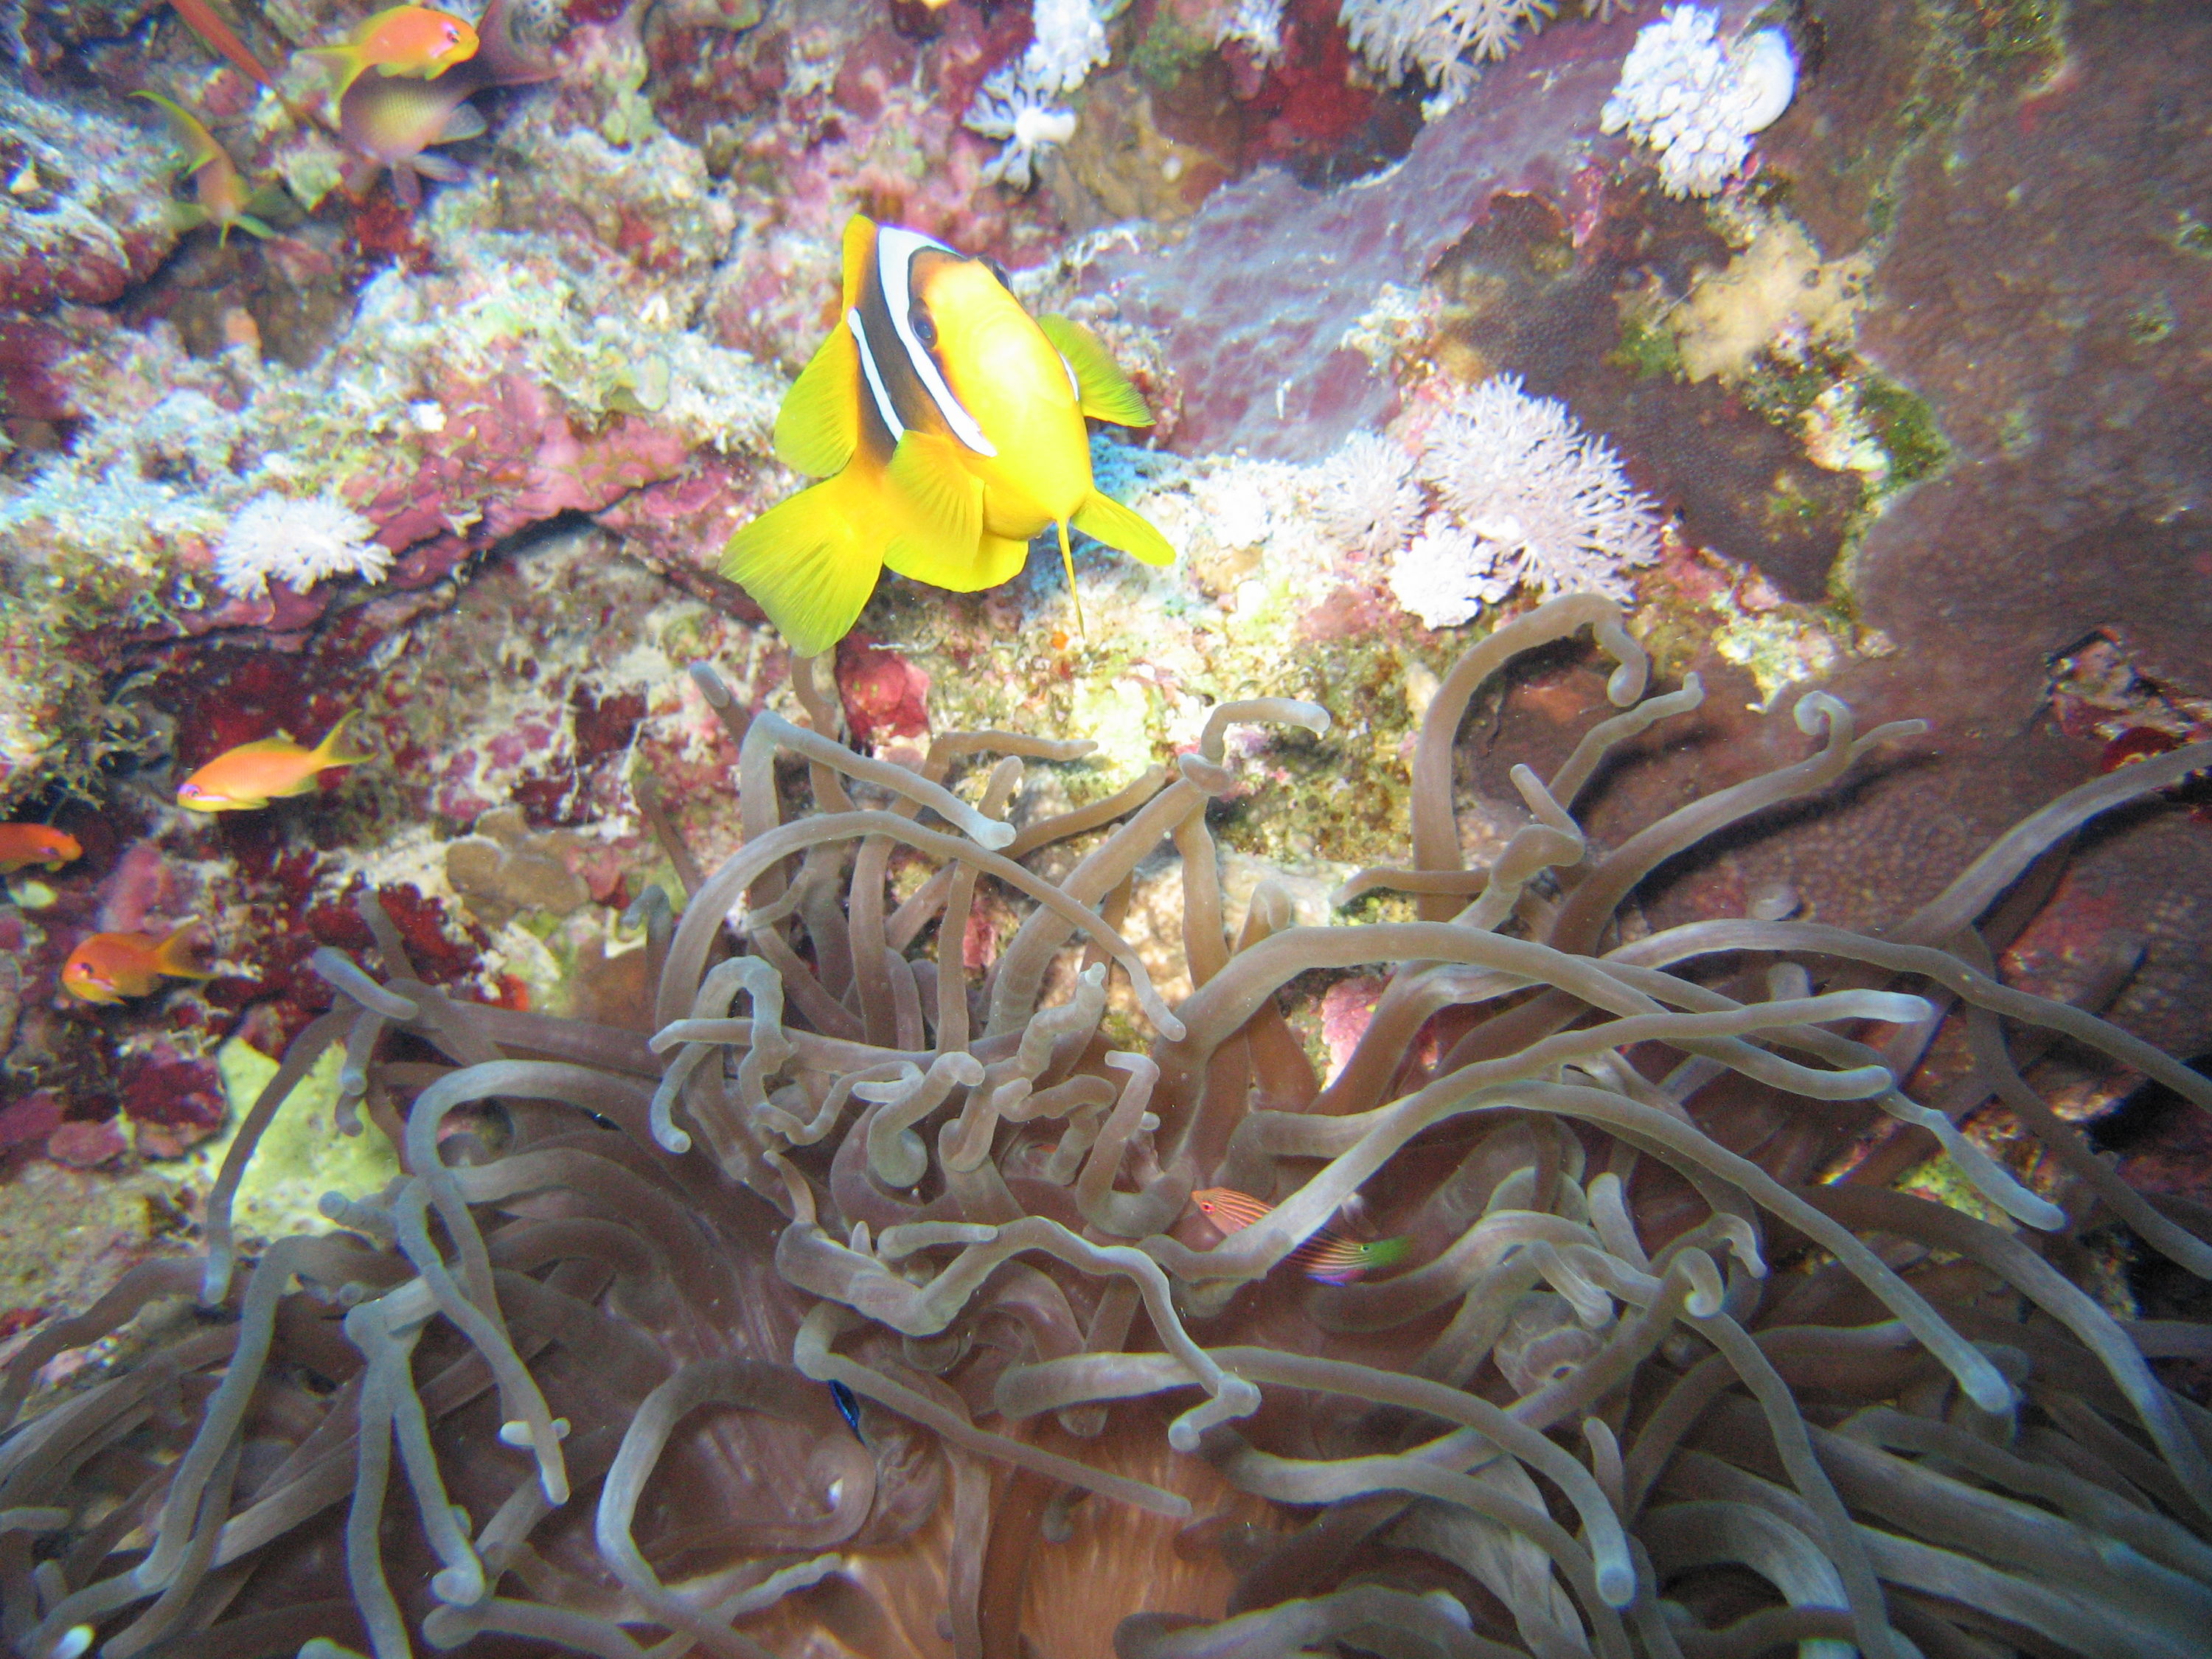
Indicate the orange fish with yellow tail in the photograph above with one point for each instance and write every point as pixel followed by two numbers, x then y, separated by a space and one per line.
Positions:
pixel 1328 1255
pixel 947 426
pixel 114 966
pixel 23 844
pixel 254 773
pixel 416 40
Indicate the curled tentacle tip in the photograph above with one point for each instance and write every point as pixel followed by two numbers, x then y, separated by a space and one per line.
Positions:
pixel 460 1587
pixel 74 1641
pixel 1616 1583
pixel 673 1140
pixel 993 834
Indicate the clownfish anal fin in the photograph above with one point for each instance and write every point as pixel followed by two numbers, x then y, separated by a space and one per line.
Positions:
pixel 1103 391
pixel 819 425
pixel 934 512
pixel 804 566
pixel 1106 520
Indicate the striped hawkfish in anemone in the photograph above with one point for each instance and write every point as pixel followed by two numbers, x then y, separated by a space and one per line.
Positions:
pixel 1644 1384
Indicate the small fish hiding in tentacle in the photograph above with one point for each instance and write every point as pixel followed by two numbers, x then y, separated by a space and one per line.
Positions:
pixel 113 967
pixel 23 844
pixel 409 41
pixel 254 773
pixel 849 1408
pixel 223 200
pixel 1328 1255
pixel 947 427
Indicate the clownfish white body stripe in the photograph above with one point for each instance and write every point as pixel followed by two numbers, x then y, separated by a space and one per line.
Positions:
pixel 947 426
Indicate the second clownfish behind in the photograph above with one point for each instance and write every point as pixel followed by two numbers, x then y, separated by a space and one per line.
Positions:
pixel 947 426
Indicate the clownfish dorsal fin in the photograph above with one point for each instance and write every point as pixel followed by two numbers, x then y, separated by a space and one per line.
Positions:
pixel 1102 389
pixel 1104 518
pixel 935 514
pixel 860 254
pixel 818 426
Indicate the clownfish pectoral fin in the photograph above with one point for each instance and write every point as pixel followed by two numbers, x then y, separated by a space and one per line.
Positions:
pixel 933 508
pixel 805 566
pixel 818 426
pixel 1101 388
pixel 1106 520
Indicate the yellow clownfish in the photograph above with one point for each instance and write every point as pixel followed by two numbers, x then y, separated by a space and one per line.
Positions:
pixel 947 426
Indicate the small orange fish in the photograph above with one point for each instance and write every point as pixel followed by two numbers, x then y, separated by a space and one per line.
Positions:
pixel 225 201
pixel 414 41
pixel 254 773
pixel 1328 1255
pixel 111 966
pixel 35 843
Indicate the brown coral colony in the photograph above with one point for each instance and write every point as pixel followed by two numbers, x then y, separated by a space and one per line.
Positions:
pixel 1646 1384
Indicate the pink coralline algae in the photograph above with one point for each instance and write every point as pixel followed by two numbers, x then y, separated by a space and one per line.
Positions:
pixel 506 456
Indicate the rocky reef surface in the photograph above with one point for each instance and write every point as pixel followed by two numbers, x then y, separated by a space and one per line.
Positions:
pixel 1920 400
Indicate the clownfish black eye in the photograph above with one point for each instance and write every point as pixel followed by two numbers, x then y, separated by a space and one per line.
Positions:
pixel 925 330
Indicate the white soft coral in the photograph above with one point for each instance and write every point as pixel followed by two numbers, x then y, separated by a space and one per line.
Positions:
pixel 298 542
pixel 1019 103
pixel 1524 497
pixel 1697 102
pixel 1437 38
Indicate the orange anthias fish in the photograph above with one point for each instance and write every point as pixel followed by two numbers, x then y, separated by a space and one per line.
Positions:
pixel 111 967
pixel 414 41
pixel 947 426
pixel 224 200
pixel 1328 1255
pixel 35 843
pixel 254 773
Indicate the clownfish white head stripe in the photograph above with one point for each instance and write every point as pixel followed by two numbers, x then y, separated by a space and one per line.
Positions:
pixel 895 252
pixel 874 376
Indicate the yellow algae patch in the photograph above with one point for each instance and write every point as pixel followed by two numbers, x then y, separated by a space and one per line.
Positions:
pixel 301 1156
pixel 1777 294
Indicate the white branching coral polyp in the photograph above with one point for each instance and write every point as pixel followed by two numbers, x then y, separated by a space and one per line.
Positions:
pixel 1523 496
pixel 1697 103
pixel 1019 103
pixel 299 542
pixel 1441 40
pixel 1368 498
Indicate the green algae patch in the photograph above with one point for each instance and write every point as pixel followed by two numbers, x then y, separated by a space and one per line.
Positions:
pixel 1904 426
pixel 302 1155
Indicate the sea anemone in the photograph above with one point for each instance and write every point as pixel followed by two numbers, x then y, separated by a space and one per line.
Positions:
pixel 579 1380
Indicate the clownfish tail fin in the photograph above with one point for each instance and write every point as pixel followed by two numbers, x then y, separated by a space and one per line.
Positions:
pixel 179 955
pixel 1068 563
pixel 805 565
